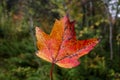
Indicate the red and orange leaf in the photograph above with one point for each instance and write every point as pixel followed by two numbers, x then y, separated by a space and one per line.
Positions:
pixel 61 47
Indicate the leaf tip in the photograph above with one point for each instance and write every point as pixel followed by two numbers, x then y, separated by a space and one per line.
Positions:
pixel 37 28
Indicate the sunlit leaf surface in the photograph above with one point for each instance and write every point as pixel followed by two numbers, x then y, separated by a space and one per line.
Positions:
pixel 61 46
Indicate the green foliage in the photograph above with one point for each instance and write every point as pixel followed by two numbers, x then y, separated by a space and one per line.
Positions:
pixel 17 49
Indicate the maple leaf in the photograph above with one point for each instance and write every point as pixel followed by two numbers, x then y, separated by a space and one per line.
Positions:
pixel 61 46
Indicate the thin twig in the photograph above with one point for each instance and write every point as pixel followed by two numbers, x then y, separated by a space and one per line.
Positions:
pixel 51 71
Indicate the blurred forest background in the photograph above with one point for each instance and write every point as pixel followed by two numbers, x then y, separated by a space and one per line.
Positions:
pixel 94 18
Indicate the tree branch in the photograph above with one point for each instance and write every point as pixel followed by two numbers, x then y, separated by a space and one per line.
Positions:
pixel 110 29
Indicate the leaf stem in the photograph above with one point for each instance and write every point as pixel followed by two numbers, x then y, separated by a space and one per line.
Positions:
pixel 51 71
